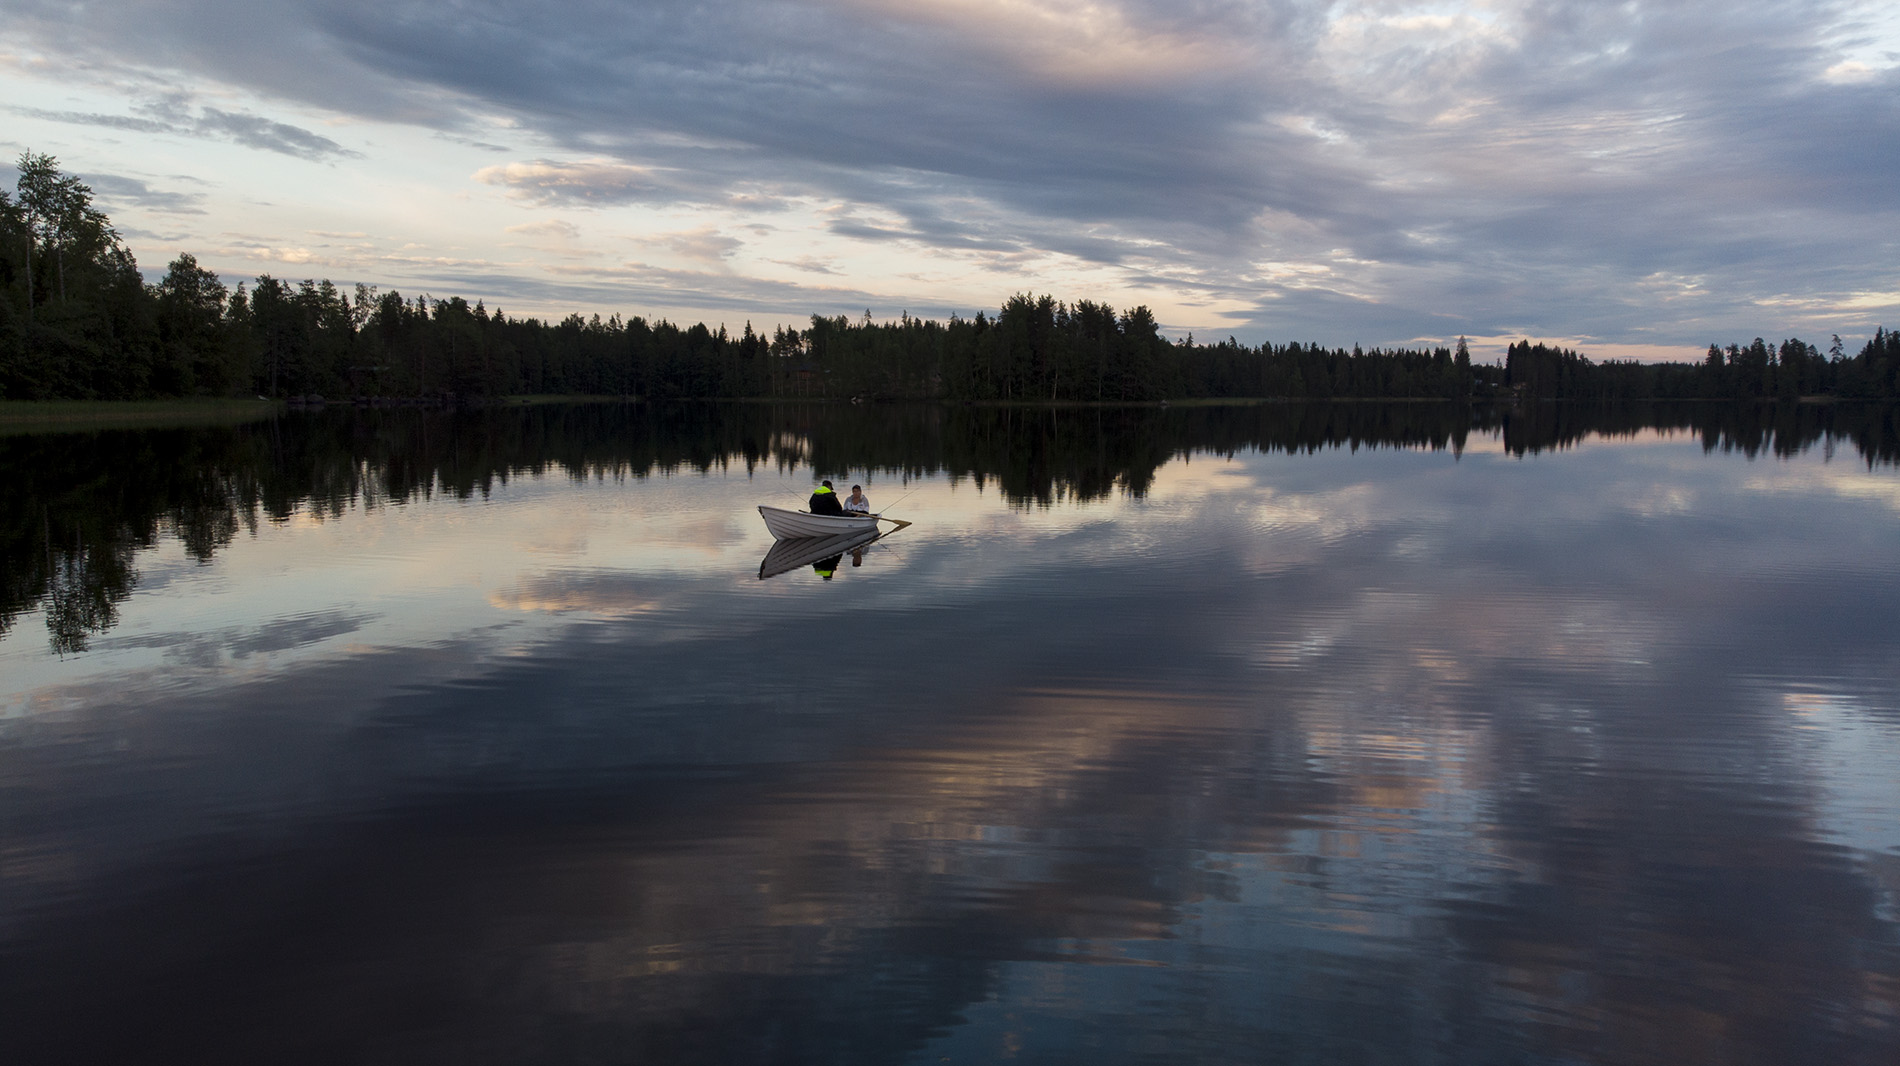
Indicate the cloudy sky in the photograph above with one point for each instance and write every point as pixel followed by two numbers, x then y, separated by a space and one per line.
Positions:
pixel 1637 178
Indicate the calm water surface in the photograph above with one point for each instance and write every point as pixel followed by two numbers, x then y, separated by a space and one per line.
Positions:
pixel 1337 735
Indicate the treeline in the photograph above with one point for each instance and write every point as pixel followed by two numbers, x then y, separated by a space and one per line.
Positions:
pixel 1759 371
pixel 81 505
pixel 77 321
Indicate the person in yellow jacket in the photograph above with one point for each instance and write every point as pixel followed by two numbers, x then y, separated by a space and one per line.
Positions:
pixel 825 501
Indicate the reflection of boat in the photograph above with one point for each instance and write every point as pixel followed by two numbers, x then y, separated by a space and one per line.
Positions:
pixel 786 525
pixel 792 553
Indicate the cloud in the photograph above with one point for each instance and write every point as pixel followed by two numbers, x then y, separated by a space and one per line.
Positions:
pixel 705 244
pixel 809 264
pixel 1070 43
pixel 1518 163
pixel 116 189
pixel 935 236
pixel 606 183
pixel 136 233
pixel 174 117
pixel 471 142
pixel 81 118
pixel 270 136
pixel 594 182
pixel 552 227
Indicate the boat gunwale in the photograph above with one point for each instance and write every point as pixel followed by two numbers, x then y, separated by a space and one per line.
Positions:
pixel 786 524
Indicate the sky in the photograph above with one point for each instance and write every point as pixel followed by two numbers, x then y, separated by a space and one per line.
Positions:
pixel 1636 180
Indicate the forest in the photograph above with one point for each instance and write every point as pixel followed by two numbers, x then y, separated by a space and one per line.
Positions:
pixel 84 504
pixel 78 321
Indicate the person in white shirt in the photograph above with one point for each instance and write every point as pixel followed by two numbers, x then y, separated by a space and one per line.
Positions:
pixel 857 502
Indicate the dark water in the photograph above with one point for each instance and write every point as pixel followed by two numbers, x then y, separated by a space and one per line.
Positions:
pixel 1345 734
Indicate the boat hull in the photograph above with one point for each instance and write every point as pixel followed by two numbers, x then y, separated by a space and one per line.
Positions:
pixel 792 525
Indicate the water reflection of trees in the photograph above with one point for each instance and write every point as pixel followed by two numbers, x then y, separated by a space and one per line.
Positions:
pixel 1488 845
pixel 81 504
pixel 1783 430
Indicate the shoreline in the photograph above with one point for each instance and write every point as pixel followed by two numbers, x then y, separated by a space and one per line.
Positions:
pixel 37 415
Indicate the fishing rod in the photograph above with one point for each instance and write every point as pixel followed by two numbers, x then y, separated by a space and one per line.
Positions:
pixel 898 522
pixel 906 496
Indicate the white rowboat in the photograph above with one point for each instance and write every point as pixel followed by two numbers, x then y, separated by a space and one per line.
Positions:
pixel 791 525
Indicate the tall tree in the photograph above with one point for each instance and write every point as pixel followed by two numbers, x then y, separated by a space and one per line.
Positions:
pixel 59 214
pixel 193 353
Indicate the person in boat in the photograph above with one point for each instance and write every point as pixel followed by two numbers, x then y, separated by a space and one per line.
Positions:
pixel 825 500
pixel 857 502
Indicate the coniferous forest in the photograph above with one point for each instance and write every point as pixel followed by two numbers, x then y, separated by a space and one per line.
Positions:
pixel 77 321
pixel 100 497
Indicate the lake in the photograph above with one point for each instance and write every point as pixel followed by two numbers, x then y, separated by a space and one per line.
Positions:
pixel 1351 733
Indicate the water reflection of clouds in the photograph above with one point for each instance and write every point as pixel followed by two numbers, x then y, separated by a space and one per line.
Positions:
pixel 1310 752
pixel 203 650
pixel 405 575
pixel 1854 751
pixel 606 595
pixel 1840 480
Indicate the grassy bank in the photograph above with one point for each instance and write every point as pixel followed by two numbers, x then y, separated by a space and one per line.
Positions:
pixel 57 416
